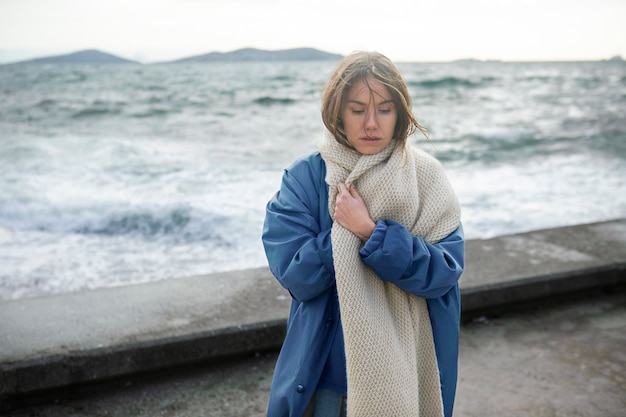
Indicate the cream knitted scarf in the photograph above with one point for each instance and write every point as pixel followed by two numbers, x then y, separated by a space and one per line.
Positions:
pixel 390 354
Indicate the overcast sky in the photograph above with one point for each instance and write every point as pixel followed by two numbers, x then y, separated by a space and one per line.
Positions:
pixel 405 30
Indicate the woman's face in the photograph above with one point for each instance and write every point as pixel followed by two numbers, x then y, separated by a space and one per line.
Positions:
pixel 369 116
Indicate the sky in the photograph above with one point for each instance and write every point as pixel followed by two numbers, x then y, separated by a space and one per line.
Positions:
pixel 404 30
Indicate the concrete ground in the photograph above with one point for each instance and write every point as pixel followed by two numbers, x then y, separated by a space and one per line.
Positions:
pixel 565 359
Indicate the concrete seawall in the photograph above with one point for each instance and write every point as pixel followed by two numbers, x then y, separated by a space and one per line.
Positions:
pixel 63 340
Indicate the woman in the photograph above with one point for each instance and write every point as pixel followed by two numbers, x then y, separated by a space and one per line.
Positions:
pixel 366 236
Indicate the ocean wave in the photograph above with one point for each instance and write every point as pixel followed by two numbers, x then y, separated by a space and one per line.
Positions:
pixel 98 108
pixel 495 146
pixel 77 77
pixel 610 142
pixel 283 77
pixel 153 112
pixel 152 87
pixel 46 103
pixel 269 101
pixel 177 223
pixel 451 82
pixel 513 145
pixel 90 112
pixel 537 78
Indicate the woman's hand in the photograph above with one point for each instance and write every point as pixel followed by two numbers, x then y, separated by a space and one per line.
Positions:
pixel 351 212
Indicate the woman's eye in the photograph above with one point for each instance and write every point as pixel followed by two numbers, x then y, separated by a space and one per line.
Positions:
pixel 385 111
pixel 358 111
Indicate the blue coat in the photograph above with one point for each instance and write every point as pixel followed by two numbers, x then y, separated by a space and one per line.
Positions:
pixel 296 237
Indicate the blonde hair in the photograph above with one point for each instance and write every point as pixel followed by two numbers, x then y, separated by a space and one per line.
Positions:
pixel 361 66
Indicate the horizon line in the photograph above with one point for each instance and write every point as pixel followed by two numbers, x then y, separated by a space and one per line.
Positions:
pixel 34 56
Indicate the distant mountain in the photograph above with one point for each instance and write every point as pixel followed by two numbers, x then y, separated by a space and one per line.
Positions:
pixel 93 56
pixel 89 56
pixel 252 54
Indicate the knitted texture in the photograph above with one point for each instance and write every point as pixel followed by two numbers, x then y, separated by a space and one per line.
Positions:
pixel 390 355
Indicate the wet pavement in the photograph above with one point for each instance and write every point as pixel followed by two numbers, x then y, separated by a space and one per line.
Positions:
pixel 565 359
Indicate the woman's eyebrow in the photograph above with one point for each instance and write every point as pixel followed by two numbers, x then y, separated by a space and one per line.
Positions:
pixel 360 103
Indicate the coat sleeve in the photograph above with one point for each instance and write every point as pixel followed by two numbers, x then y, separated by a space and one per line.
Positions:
pixel 298 249
pixel 414 265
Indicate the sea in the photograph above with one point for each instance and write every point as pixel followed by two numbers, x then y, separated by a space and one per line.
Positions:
pixel 114 175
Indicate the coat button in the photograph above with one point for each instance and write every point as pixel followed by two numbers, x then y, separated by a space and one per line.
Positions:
pixel 300 389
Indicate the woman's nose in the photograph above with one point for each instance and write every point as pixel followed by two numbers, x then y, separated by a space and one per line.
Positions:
pixel 370 120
